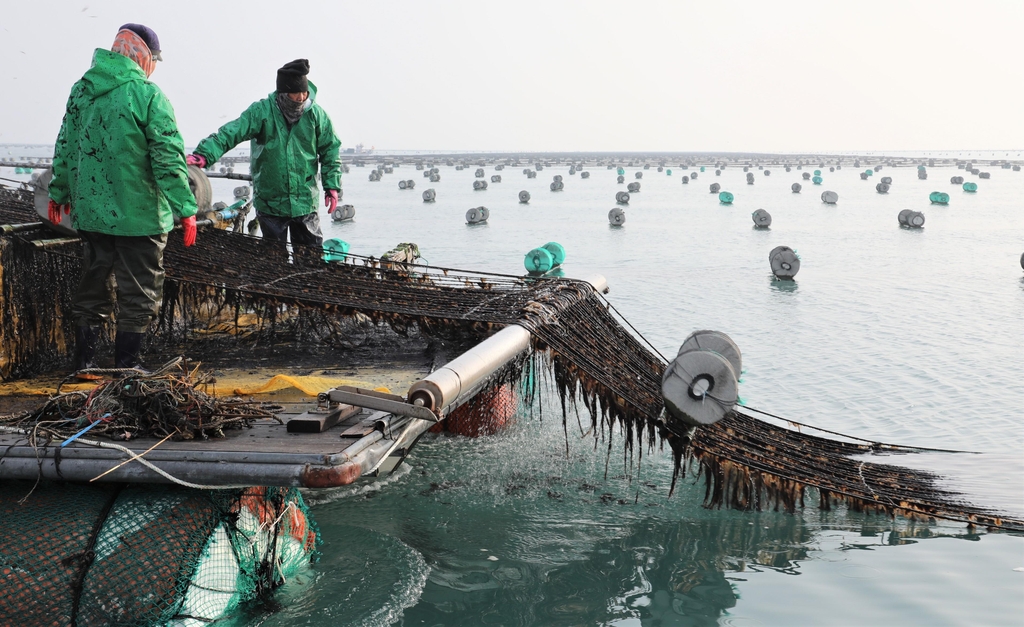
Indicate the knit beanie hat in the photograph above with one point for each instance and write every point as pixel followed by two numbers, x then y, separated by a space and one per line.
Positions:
pixel 291 79
pixel 148 36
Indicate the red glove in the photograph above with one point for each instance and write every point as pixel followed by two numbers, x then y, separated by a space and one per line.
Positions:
pixel 189 226
pixel 194 159
pixel 331 200
pixel 54 210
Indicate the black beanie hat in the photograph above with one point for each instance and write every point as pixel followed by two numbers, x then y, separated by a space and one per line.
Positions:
pixel 291 79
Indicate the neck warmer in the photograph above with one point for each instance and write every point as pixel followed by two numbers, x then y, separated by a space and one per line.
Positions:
pixel 290 109
pixel 132 46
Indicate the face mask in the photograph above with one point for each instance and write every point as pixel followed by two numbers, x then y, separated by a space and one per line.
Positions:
pixel 132 46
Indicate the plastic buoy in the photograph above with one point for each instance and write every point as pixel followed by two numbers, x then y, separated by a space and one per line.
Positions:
pixel 939 198
pixel 882 188
pixel 685 180
pixel 718 173
pixel 693 177
pixel 616 217
pixel 887 180
pixel 796 187
pixel 524 196
pixel 620 172
pixel 495 178
pixel 863 176
pixel 633 187
pixel 622 198
pixel 477 215
pixel 335 249
pixel 479 173
pixel 806 176
pixel 922 174
pixel 970 186
pixel 762 219
pixel 557 178
pixel 1022 260
pixel 539 260
pixel 725 198
pixel 343 213
pixel 767 172
pixel 584 175
pixel 668 172
pixel 784 262
pixel 816 180
pixel 701 168
pixel 410 184
pixel 699 388
pixel 557 186
pixel 429 195
pixel 817 173
pixel 479 185
pixel 911 219
pixel 620 179
pixel 715 188
pixel 557 252
pixel 984 175
pixel 716 342
pixel 639 175
pixel 830 198
pixel 956 180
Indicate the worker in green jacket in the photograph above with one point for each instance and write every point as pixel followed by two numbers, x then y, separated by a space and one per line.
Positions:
pixel 290 136
pixel 119 169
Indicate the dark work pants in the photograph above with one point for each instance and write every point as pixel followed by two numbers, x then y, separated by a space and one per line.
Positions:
pixel 307 240
pixel 137 264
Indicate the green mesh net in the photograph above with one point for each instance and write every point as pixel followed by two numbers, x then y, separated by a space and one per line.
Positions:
pixel 75 554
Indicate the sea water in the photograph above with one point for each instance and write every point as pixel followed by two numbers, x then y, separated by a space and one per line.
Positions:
pixel 896 335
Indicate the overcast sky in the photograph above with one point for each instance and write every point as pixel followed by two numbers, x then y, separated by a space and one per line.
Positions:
pixel 523 75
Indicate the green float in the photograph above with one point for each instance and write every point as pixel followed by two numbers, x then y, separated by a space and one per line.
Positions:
pixel 725 198
pixel 939 198
pixel 621 171
pixel 970 187
pixel 538 261
pixel 335 249
pixel 816 180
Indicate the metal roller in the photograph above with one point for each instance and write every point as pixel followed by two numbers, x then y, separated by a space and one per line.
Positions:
pixel 617 217
pixel 762 219
pixel 699 388
pixel 714 341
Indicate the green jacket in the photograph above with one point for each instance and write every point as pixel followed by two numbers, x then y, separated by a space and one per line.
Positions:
pixel 119 158
pixel 283 160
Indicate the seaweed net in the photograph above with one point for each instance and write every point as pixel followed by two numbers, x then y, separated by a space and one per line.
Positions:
pixel 747 463
pixel 105 554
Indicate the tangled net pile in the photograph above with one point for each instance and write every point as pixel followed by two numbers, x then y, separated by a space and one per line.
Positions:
pixel 747 463
pixel 167 403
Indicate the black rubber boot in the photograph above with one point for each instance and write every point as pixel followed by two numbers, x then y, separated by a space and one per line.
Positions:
pixel 85 352
pixel 126 350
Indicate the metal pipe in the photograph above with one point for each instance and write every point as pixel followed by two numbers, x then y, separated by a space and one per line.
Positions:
pixel 229 175
pixel 47 243
pixel 15 228
pixel 457 381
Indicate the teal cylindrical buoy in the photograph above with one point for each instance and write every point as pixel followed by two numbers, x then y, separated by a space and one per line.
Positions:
pixel 869 172
pixel 539 260
pixel 816 180
pixel 557 252
pixel 701 168
pixel 335 249
pixel 668 172
pixel 939 198
pixel 621 171
pixel 725 198
pixel 817 173
pixel 970 187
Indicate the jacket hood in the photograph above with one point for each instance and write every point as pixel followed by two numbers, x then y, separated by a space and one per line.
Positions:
pixel 109 70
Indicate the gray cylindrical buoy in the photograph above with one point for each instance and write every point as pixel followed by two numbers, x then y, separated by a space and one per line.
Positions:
pixel 796 187
pixel 686 180
pixel 984 175
pixel 718 173
pixel 479 173
pixel 922 174
pixel 693 177
pixel 633 187
pixel 882 188
pixel 557 186
pixel 762 219
pixel 435 178
pixel 343 213
pixel 620 179
pixel 429 195
pixel 829 198
pixel 622 198
pixel 715 188
pixel 902 216
pixel 911 219
pixel 863 176
pixel 557 178
pixel 524 197
pixel 479 185
pixel 699 388
pixel 784 262
pixel 639 175
pixel 477 215
pixel 767 172
pixel 584 175
pixel 807 176
pixel 1022 260
pixel 616 217
pixel 716 342
pixel 402 184
pixel 957 180
pixel 374 175
pixel 495 178
pixel 887 180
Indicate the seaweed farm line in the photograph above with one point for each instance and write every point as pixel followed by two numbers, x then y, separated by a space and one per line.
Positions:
pixel 892 334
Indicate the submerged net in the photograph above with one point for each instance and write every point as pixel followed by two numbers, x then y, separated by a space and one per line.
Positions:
pixel 103 554
pixel 594 361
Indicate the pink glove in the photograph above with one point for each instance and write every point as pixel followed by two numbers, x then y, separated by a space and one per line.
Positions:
pixel 194 159
pixel 189 226
pixel 54 210
pixel 331 200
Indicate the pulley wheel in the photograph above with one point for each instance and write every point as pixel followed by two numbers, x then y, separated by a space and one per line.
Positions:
pixel 201 188
pixel 699 388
